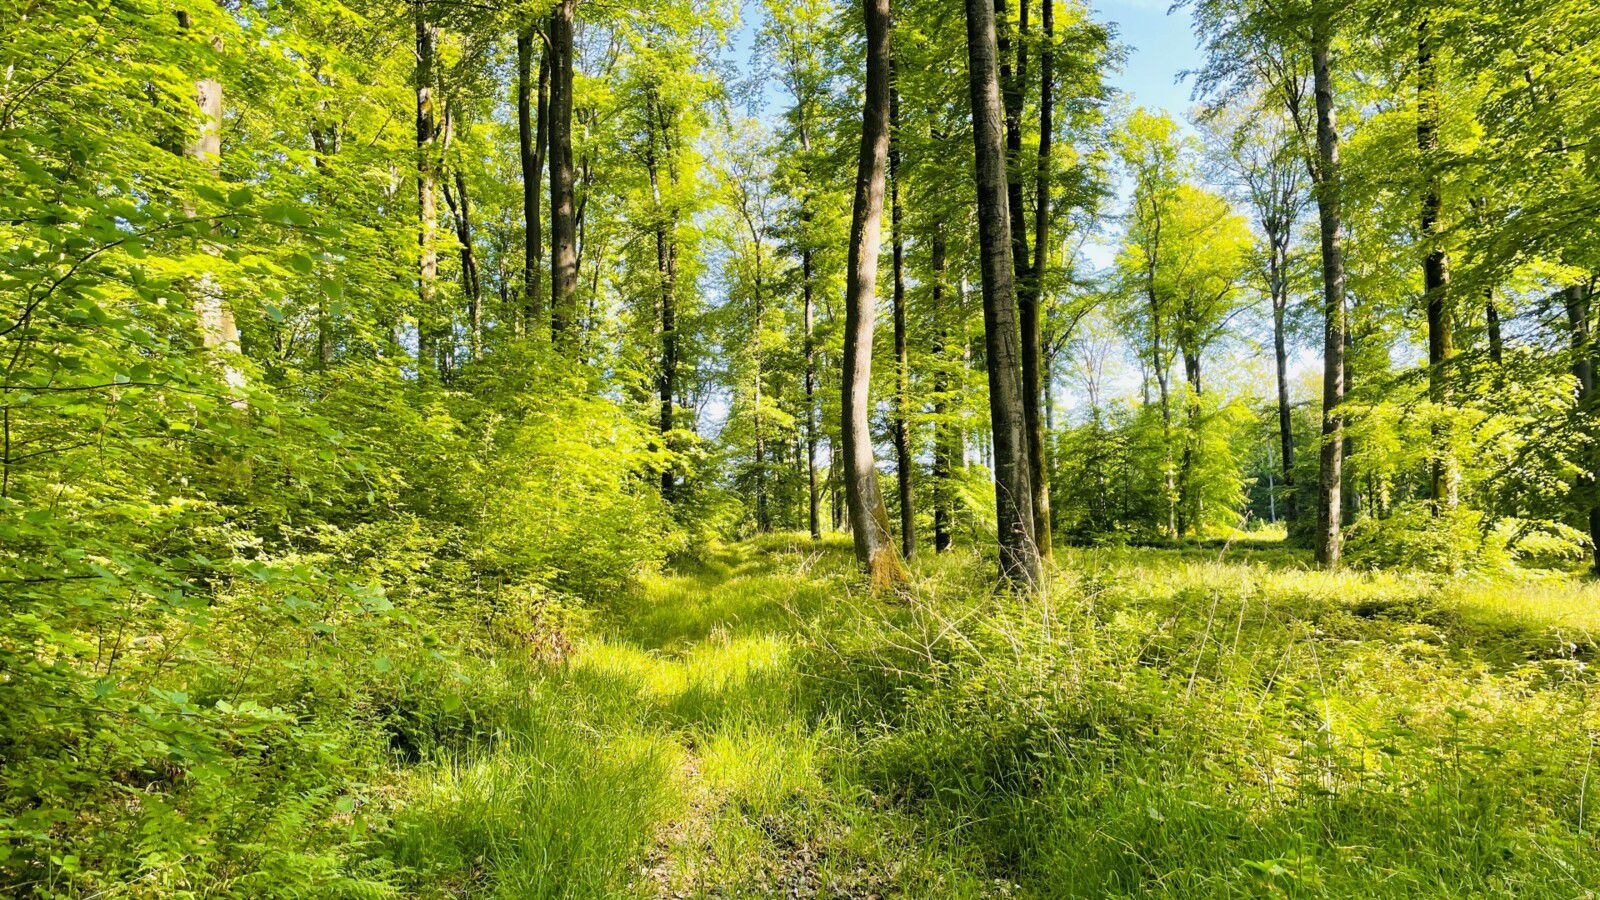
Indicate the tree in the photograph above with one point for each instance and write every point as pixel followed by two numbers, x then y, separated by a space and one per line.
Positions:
pixel 1326 179
pixel 532 137
pixel 1020 563
pixel 1261 153
pixel 902 359
pixel 563 211
pixel 869 520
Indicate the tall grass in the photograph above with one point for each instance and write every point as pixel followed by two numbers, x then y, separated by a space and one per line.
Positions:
pixel 1186 723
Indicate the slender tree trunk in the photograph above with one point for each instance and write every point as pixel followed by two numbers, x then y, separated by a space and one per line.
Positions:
pixel 1491 315
pixel 427 195
pixel 902 371
pixel 869 520
pixel 813 495
pixel 1030 294
pixel 1435 278
pixel 1329 219
pixel 219 332
pixel 660 147
pixel 758 295
pixel 1019 554
pixel 532 112
pixel 947 434
pixel 1189 505
pixel 1578 300
pixel 461 211
pixel 563 214
pixel 1278 274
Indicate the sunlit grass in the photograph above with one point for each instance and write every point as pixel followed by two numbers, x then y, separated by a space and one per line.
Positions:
pixel 1207 721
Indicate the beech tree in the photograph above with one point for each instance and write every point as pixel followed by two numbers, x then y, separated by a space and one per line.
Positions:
pixel 1020 563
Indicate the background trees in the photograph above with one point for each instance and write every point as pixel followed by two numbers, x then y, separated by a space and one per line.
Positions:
pixel 351 330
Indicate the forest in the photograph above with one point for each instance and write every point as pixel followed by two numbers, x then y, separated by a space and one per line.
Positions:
pixel 798 448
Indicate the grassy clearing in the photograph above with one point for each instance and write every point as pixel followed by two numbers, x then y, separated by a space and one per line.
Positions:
pixel 1176 723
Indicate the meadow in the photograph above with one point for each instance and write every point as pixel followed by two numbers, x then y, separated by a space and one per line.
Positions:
pixel 1159 723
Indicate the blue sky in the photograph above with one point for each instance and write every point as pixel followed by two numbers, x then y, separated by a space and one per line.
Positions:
pixel 1159 46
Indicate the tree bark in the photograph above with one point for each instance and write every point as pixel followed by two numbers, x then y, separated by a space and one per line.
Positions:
pixel 1019 553
pixel 813 495
pixel 658 152
pixel 427 195
pixel 1030 295
pixel 947 434
pixel 1329 220
pixel 1445 478
pixel 1278 275
pixel 461 211
pixel 902 371
pixel 219 332
pixel 1189 503
pixel 532 133
pixel 563 216
pixel 1578 300
pixel 874 544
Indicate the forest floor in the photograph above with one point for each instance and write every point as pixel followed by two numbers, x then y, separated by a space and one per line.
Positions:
pixel 1197 722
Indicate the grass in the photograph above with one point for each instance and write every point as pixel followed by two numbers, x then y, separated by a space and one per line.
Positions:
pixel 1204 722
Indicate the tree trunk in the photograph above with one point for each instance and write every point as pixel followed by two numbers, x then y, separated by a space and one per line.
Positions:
pixel 1329 221
pixel 659 147
pixel 902 371
pixel 947 434
pixel 1278 274
pixel 1445 479
pixel 219 332
pixel 532 133
pixel 1030 295
pixel 1019 554
pixel 869 521
pixel 563 216
pixel 1491 315
pixel 427 195
pixel 813 496
pixel 1189 505
pixel 1578 300
pixel 461 211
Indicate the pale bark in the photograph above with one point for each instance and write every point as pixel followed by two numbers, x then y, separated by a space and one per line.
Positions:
pixel 869 520
pixel 1329 219
pixel 427 194
pixel 219 332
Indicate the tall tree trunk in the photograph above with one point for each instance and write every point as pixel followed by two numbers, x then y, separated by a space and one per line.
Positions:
pixel 563 211
pixel 1279 285
pixel 1019 554
pixel 1491 315
pixel 326 138
pixel 758 296
pixel 1189 505
pixel 427 195
pixel 1578 300
pixel 813 495
pixel 1329 220
pixel 1435 277
pixel 532 133
pixel 219 332
pixel 658 149
pixel 902 370
pixel 1030 295
pixel 471 283
pixel 874 544
pixel 947 434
